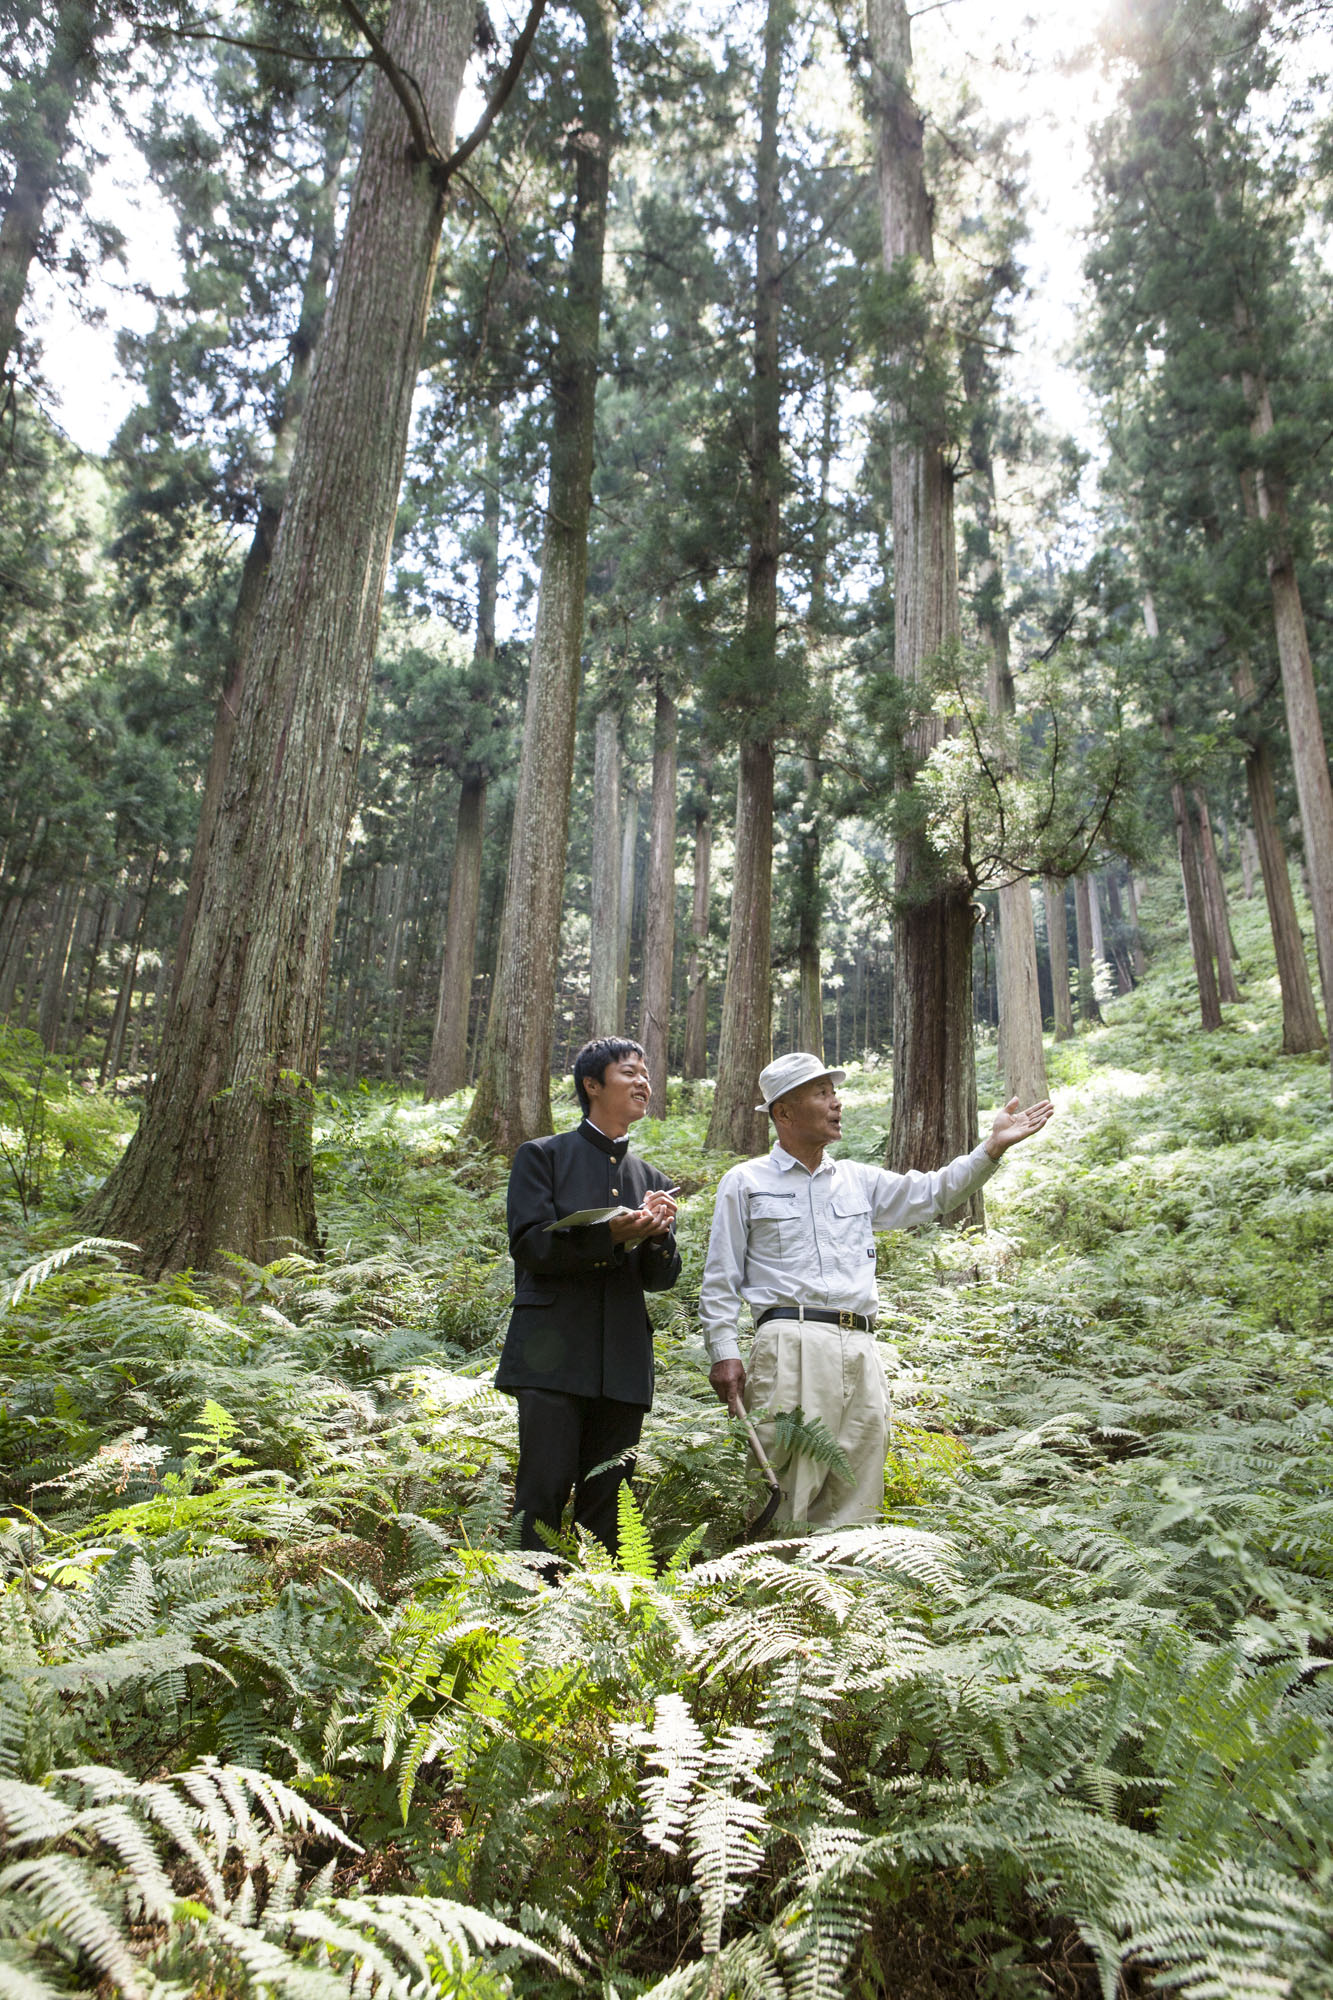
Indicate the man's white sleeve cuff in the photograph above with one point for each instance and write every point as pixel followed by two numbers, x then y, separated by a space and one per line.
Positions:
pixel 722 1347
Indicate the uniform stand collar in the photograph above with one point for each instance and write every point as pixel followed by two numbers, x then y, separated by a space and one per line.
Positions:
pixel 615 1149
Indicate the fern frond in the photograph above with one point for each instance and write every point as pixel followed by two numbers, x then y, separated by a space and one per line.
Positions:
pixel 35 1275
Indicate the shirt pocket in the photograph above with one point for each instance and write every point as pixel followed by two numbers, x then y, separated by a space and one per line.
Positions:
pixel 772 1225
pixel 852 1239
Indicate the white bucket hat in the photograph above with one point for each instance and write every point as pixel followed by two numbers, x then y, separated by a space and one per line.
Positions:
pixel 789 1073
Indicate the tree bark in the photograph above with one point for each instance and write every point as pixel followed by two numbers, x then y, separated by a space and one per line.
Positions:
pixel 1215 898
pixel 1088 1010
pixel 1249 861
pixel 40 142
pixel 447 1065
pixel 1196 911
pixel 604 1009
pixel 1305 729
pixel 747 1010
pixel 1301 1031
pixel 1137 958
pixel 629 860
pixel 254 572
pixel 222 1157
pixel 746 1037
pixel 1022 1056
pixel 934 1082
pixel 513 1098
pixel 446 1068
pixel 659 945
pixel 695 1064
pixel 1095 918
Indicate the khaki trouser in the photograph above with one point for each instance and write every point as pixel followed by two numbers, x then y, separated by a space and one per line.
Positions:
pixel 839 1378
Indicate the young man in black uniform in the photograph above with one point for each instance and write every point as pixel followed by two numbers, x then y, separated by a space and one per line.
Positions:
pixel 578 1355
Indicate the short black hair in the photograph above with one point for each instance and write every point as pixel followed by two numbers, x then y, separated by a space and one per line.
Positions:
pixel 593 1058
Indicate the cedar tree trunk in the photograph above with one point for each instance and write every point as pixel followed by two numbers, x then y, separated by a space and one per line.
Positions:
pixel 254 573
pixel 222 1156
pixel 40 140
pixel 747 1025
pixel 934 1081
pixel 1057 951
pixel 695 1063
pixel 604 1010
pixel 513 1100
pixel 659 945
pixel 1301 1032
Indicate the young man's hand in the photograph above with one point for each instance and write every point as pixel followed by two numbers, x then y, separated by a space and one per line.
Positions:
pixel 653 1219
pixel 1012 1126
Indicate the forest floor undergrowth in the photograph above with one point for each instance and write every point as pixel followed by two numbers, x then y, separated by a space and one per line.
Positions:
pixel 280 1707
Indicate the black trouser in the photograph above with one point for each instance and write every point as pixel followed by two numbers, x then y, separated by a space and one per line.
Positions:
pixel 560 1440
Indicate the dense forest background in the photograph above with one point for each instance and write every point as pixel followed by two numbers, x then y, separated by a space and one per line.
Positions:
pixel 588 551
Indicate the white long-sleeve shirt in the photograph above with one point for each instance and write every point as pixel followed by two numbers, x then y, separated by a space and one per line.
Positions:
pixel 783 1236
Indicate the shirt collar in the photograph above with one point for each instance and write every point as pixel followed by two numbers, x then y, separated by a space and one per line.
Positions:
pixel 785 1161
pixel 616 1149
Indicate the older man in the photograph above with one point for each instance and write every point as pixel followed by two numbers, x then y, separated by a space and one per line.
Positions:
pixel 793 1238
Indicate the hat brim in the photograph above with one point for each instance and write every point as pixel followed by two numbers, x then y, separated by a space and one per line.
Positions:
pixel 833 1075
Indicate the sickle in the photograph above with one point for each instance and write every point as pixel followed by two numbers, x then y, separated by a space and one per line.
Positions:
pixel 775 1493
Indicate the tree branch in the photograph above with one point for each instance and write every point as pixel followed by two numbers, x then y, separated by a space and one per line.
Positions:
pixel 405 88
pixel 518 57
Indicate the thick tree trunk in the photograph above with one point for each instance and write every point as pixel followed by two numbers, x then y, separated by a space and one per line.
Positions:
pixel 40 140
pixel 746 1037
pixel 695 1064
pixel 1088 1010
pixel 934 1084
pixel 604 1009
pixel 1215 899
pixel 254 572
pixel 446 1069
pixel 1057 950
pixel 222 1157
pixel 747 1033
pixel 659 945
pixel 1301 1032
pixel 1305 729
pixel 513 1100
pixel 1196 911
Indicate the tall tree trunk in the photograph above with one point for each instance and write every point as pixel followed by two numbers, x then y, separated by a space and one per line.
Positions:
pixel 1095 918
pixel 1022 1056
pixel 695 1062
pixel 64 915
pixel 513 1099
pixel 1301 1032
pixel 1196 910
pixel 934 1081
pixel 605 1013
pixel 115 1041
pixel 222 1157
pixel 1305 729
pixel 810 903
pixel 746 1036
pixel 659 945
pixel 629 857
pixel 446 1068
pixel 1057 950
pixel 1249 861
pixel 747 1012
pixel 1124 974
pixel 1215 898
pixel 254 573
pixel 40 141
pixel 1088 1010
pixel 1137 958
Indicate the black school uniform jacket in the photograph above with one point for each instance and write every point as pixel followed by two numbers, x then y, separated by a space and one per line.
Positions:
pixel 579 1323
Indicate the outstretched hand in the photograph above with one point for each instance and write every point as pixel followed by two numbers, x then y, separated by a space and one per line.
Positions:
pixel 1012 1126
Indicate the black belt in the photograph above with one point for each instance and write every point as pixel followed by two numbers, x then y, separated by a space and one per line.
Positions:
pixel 849 1322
